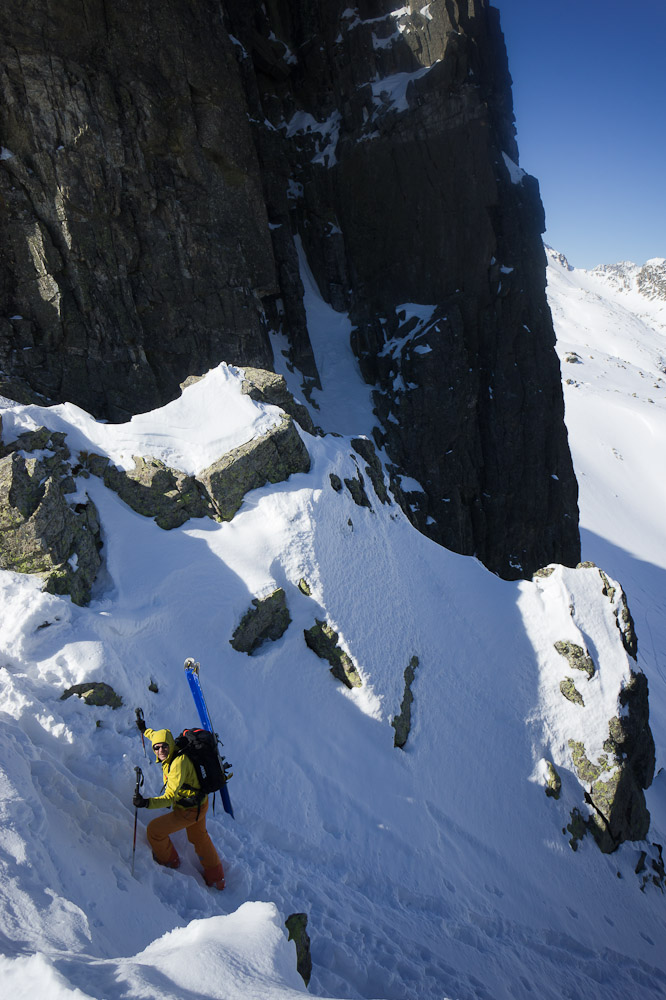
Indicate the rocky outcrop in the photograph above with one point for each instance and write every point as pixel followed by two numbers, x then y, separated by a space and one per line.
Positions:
pixel 41 532
pixel 267 387
pixel 267 620
pixel 571 692
pixel 172 497
pixel 577 657
pixel 96 693
pixel 616 779
pixel 322 639
pixel 167 170
pixel 607 733
pixel 270 458
pixel 373 468
pixel 356 487
pixel 296 924
pixel 154 490
pixel 553 781
pixel 402 723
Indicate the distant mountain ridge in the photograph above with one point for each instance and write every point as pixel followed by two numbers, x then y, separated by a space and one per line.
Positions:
pixel 648 279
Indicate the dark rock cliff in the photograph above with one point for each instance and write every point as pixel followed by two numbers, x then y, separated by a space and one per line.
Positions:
pixel 135 239
pixel 160 160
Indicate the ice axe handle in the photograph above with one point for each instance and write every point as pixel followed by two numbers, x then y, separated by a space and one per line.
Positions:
pixel 139 783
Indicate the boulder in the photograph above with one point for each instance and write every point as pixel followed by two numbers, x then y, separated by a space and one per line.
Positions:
pixel 267 619
pixel 571 692
pixel 271 458
pixel 95 693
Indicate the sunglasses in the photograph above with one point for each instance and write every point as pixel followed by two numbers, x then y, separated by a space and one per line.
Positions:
pixel 160 746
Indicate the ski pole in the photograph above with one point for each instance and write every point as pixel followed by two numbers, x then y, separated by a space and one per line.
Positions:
pixel 139 783
pixel 139 719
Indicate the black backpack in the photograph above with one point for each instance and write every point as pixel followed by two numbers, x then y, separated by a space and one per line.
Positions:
pixel 202 749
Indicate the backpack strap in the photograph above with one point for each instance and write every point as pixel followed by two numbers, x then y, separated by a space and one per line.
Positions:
pixel 198 794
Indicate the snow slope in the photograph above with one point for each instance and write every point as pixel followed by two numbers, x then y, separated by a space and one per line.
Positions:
pixel 612 346
pixel 439 871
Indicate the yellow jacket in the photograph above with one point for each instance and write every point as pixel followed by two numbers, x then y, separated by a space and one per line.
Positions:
pixel 181 785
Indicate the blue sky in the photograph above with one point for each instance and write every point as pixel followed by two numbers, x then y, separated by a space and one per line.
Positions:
pixel 589 86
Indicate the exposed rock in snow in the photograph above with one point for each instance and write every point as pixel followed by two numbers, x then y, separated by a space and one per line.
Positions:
pixel 402 723
pixel 46 527
pixel 296 924
pixel 322 639
pixel 267 619
pixel 606 735
pixel 271 458
pixel 94 693
pixel 267 387
pixel 152 489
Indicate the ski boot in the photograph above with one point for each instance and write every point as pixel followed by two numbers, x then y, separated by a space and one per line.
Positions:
pixel 172 862
pixel 214 876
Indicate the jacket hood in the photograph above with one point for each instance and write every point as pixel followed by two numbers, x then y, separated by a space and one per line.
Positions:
pixel 163 736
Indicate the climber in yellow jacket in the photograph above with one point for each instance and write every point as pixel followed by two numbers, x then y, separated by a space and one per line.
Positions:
pixel 183 796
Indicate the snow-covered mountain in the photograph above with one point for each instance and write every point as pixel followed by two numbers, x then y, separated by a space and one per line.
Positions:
pixel 438 870
pixel 611 335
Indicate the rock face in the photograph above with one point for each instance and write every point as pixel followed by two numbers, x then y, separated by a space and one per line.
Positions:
pixel 136 231
pixel 167 168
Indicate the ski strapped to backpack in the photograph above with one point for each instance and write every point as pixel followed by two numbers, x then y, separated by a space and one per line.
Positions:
pixel 201 747
pixel 194 681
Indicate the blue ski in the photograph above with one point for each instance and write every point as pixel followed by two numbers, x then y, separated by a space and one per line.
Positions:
pixel 192 674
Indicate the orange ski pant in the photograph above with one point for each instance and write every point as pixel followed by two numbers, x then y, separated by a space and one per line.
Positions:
pixel 158 831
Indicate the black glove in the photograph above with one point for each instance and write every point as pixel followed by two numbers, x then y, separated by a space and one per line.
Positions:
pixel 140 724
pixel 139 802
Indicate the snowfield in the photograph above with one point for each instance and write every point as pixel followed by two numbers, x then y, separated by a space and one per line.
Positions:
pixel 437 871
